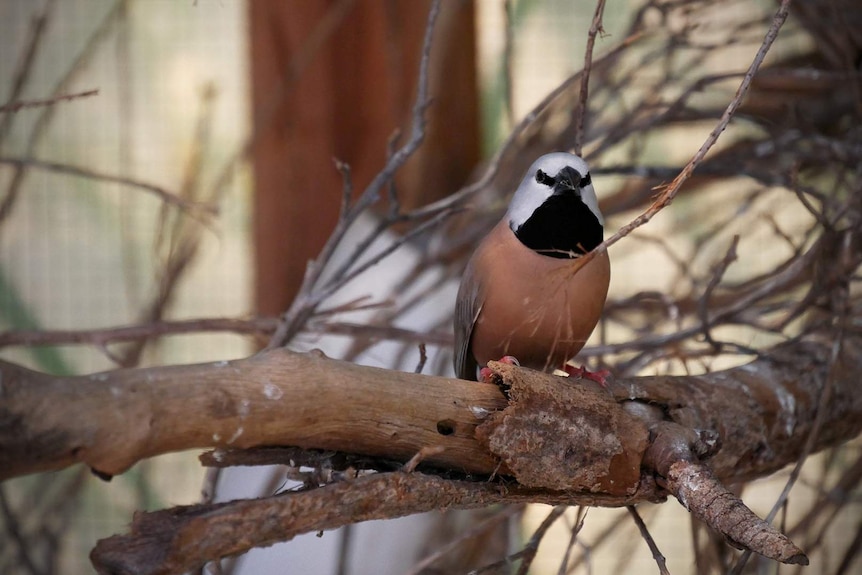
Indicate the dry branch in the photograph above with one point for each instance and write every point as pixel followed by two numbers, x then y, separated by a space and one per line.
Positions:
pixel 762 413
pixel 22 105
pixel 111 420
pixel 256 326
pixel 559 440
pixel 180 539
pixel 196 209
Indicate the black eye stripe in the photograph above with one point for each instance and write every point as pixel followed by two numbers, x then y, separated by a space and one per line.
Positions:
pixel 544 178
pixel 549 181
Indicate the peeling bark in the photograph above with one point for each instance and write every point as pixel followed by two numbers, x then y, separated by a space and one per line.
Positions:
pixel 557 434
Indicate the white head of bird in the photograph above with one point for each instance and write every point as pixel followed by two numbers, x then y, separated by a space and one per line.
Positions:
pixel 555 210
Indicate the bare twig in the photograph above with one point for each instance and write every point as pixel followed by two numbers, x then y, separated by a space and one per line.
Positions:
pixel 182 242
pixel 476 530
pixel 25 67
pixel 528 553
pixel 420 456
pixel 670 191
pixel 47 113
pixel 193 208
pixel 581 114
pixel 573 538
pixel 346 539
pixel 656 554
pixel 423 357
pixel 508 79
pixel 22 105
pixel 720 269
pixel 254 326
pixel 13 528
pixel 347 187
pixel 529 120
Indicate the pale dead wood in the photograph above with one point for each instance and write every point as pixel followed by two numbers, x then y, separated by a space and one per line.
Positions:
pixel 276 398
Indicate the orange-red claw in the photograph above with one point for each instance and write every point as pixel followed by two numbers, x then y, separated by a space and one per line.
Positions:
pixel 486 374
pixel 583 373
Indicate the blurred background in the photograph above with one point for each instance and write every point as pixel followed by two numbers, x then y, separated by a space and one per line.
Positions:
pixel 236 109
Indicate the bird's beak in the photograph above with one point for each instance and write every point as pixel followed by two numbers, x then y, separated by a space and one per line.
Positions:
pixel 567 183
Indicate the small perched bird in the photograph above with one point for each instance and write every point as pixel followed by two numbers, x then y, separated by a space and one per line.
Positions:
pixel 525 292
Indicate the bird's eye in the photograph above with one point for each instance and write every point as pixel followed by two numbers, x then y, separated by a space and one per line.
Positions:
pixel 586 180
pixel 544 178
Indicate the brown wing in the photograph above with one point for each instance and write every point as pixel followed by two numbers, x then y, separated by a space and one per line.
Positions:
pixel 468 305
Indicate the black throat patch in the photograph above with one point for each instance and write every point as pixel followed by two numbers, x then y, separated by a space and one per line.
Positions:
pixel 562 227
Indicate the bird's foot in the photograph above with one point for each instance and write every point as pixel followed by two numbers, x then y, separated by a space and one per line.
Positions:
pixel 486 373
pixel 583 373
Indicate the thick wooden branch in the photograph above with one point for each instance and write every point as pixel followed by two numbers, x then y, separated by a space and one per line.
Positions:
pixel 554 440
pixel 761 412
pixel 111 420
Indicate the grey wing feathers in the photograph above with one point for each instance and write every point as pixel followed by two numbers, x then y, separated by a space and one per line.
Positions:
pixel 467 308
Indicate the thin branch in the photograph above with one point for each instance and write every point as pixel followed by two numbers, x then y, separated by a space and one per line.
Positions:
pixel 528 121
pixel 25 67
pixel 573 538
pixel 422 455
pixel 484 526
pixel 423 357
pixel 718 274
pixel 508 81
pixel 347 187
pixel 193 208
pixel 345 540
pixel 21 105
pixel 13 528
pixel 581 114
pixel 179 238
pixel 656 554
pixel 670 191
pixel 106 336
pixel 101 337
pixel 532 547
pixel 528 553
pixel 47 113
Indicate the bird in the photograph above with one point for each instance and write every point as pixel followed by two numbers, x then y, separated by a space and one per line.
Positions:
pixel 526 295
